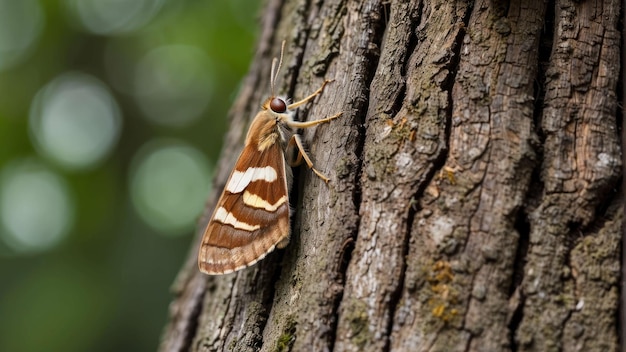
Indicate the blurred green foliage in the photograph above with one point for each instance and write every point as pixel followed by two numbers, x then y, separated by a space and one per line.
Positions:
pixel 105 286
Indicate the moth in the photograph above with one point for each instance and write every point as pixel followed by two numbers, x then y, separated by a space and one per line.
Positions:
pixel 251 217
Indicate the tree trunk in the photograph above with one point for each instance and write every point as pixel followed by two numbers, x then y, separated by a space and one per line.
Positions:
pixel 475 201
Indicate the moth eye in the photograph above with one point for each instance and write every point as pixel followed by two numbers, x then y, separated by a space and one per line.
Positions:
pixel 278 105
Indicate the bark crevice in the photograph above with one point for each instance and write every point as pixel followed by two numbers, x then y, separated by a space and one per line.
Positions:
pixel 361 112
pixel 516 294
pixel 396 295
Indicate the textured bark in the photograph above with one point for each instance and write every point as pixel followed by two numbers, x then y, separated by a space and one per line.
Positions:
pixel 475 202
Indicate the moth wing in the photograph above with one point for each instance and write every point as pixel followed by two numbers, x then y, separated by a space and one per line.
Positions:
pixel 252 215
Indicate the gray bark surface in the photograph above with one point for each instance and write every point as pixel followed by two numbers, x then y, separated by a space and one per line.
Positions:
pixel 475 201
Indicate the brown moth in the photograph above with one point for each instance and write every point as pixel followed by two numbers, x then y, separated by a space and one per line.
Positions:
pixel 251 217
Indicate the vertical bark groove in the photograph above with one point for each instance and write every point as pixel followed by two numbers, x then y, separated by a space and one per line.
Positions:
pixel 358 173
pixel 396 294
pixel 573 173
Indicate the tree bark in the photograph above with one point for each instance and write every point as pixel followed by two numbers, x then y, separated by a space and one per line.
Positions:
pixel 475 201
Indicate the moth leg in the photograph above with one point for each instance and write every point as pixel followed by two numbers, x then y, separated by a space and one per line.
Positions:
pixel 303 101
pixel 293 160
pixel 296 140
pixel 307 124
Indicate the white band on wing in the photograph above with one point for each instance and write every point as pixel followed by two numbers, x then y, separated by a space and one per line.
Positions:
pixel 223 216
pixel 240 180
pixel 255 201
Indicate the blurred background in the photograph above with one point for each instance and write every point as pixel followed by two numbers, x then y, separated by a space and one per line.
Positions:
pixel 112 114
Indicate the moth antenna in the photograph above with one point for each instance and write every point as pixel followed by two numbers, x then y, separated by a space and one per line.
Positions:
pixel 272 77
pixel 276 69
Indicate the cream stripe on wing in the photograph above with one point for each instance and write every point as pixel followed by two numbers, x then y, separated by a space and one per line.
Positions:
pixel 240 180
pixel 223 216
pixel 257 202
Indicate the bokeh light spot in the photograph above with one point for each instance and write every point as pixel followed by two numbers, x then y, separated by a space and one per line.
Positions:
pixel 173 84
pixel 36 211
pixel 114 16
pixel 169 185
pixel 20 26
pixel 75 121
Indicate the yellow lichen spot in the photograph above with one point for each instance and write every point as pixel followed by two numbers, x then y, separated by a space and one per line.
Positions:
pixel 403 122
pixel 443 271
pixel 447 173
pixel 433 190
pixel 439 310
pixel 402 129
pixel 442 289
pixel 444 296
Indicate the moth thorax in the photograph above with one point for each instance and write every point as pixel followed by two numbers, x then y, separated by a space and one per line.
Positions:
pixel 264 131
pixel 268 140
